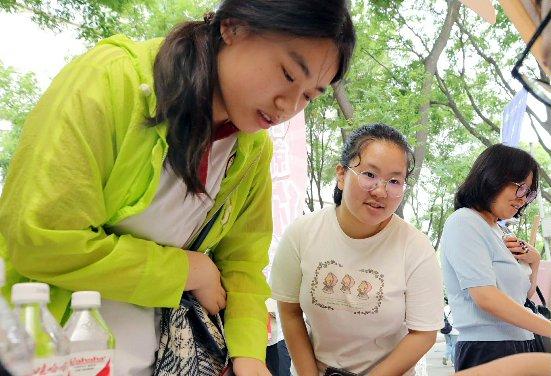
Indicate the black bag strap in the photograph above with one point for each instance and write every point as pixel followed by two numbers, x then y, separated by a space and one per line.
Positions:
pixel 204 231
pixel 540 295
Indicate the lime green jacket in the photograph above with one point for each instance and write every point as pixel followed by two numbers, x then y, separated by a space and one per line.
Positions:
pixel 86 161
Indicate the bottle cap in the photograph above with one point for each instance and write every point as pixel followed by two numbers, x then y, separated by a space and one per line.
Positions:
pixel 86 299
pixel 30 292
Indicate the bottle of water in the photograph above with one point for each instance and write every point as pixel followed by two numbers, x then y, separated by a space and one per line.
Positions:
pixel 50 344
pixel 91 342
pixel 16 347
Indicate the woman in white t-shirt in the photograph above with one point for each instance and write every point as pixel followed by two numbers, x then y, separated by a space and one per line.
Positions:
pixel 365 283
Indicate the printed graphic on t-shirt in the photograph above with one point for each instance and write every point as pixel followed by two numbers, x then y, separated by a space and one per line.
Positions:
pixel 335 287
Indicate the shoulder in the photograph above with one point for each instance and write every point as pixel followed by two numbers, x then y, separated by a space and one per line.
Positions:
pixel 119 58
pixel 309 223
pixel 465 223
pixel 414 238
pixel 462 217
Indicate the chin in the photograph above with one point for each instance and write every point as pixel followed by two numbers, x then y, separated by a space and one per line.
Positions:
pixel 375 220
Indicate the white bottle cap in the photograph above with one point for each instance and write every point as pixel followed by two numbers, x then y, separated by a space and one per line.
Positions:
pixel 30 292
pixel 85 299
pixel 2 273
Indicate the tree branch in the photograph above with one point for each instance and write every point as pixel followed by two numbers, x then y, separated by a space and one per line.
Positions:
pixel 392 75
pixel 405 23
pixel 490 60
pixel 492 125
pixel 451 104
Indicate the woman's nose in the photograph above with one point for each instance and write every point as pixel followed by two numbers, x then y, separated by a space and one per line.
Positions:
pixel 289 102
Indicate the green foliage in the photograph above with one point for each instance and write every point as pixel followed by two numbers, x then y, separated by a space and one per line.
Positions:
pixel 18 94
pixel 97 19
pixel 383 85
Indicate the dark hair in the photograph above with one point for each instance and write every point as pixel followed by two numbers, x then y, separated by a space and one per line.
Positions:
pixel 374 132
pixel 497 166
pixel 185 71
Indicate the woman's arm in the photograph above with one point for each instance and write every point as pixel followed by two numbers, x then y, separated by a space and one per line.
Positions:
pixel 408 352
pixel 296 337
pixel 498 304
pixel 60 189
pixel 242 254
pixel 534 364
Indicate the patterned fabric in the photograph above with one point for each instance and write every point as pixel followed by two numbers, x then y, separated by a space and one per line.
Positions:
pixel 192 341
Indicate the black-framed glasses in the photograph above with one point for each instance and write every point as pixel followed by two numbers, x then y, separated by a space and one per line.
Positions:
pixel 538 88
pixel 523 190
pixel 369 181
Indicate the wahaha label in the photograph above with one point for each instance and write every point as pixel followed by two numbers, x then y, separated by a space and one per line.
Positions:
pixel 54 366
pixel 91 363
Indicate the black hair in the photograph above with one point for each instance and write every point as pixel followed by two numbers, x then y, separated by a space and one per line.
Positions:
pixel 185 71
pixel 374 132
pixel 497 166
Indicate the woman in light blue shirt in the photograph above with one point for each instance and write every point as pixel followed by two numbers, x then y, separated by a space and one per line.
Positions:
pixel 488 276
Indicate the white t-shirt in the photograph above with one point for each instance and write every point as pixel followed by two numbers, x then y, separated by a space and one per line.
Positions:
pixel 359 296
pixel 170 220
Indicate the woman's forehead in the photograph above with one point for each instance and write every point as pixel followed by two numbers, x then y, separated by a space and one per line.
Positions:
pixel 382 156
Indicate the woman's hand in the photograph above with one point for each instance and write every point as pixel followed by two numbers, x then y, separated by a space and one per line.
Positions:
pixel 522 250
pixel 249 367
pixel 204 282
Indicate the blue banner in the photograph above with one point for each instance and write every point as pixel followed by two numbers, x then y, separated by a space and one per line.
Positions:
pixel 513 116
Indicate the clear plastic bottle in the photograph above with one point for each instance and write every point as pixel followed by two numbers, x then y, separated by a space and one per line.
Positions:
pixel 50 344
pixel 91 342
pixel 16 347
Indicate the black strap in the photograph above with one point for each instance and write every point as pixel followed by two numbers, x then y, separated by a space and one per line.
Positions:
pixel 204 232
pixel 540 295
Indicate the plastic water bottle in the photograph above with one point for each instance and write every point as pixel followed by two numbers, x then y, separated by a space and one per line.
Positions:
pixel 91 342
pixel 50 344
pixel 16 347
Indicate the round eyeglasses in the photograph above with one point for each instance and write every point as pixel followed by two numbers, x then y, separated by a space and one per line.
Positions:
pixel 369 181
pixel 524 191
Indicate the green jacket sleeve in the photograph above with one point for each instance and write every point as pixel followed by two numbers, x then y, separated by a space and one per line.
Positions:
pixel 241 255
pixel 54 206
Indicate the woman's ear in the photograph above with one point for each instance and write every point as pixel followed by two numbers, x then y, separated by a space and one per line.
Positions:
pixel 232 30
pixel 340 171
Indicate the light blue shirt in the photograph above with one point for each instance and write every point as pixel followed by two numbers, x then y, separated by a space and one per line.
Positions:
pixel 474 255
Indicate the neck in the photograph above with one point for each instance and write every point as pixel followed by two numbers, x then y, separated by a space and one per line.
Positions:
pixel 219 113
pixel 356 229
pixel 488 217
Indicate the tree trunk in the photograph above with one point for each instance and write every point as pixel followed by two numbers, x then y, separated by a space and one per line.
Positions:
pixel 440 225
pixel 339 93
pixel 431 62
pixel 430 69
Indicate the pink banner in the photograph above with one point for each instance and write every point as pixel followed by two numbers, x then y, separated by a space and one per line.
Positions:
pixel 544 282
pixel 289 175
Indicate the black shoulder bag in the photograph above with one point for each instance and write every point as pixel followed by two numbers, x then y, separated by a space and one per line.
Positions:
pixel 192 341
pixel 543 344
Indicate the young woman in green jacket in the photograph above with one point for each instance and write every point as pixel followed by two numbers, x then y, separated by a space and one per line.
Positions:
pixel 134 148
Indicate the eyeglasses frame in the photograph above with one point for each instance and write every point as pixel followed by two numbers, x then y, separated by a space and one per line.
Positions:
pixel 380 180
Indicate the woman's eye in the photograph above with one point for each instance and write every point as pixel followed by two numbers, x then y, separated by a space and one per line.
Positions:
pixel 396 182
pixel 370 174
pixel 288 76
